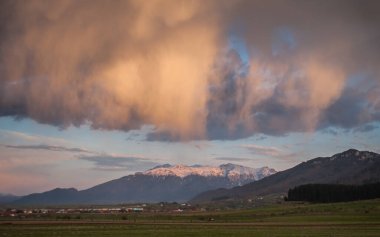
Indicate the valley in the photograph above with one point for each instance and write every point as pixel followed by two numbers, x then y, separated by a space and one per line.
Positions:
pixel 359 218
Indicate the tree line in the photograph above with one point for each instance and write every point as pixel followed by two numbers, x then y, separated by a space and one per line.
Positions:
pixel 333 192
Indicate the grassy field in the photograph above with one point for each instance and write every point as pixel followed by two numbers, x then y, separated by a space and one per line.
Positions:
pixel 116 230
pixel 360 218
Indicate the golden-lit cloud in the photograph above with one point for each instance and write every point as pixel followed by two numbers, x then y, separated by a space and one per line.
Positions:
pixel 123 64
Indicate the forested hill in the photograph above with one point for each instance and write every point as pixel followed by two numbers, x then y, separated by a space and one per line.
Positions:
pixel 334 192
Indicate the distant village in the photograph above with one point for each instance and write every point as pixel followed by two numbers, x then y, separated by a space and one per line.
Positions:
pixel 152 208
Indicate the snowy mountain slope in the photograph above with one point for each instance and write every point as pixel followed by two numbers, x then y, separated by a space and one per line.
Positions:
pixel 183 171
pixel 231 171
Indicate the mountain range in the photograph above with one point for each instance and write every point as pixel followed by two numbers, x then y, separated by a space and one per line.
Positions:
pixel 349 167
pixel 6 198
pixel 162 183
pixel 166 183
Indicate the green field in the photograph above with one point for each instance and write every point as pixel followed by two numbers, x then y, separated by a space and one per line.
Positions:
pixel 196 230
pixel 360 218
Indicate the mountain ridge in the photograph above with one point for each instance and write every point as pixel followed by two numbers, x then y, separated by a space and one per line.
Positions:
pixel 348 167
pixel 6 198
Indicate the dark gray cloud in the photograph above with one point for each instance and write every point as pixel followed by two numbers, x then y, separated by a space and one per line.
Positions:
pixel 162 136
pixel 330 131
pixel 366 128
pixel 227 99
pixel 49 148
pixel 356 108
pixel 119 163
pixel 261 138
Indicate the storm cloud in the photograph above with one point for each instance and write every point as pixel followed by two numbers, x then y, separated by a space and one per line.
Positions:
pixel 192 69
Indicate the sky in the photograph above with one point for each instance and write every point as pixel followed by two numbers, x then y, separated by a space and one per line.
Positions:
pixel 95 90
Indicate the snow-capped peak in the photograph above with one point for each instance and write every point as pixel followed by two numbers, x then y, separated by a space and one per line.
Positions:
pixel 232 171
pixel 236 172
pixel 183 171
